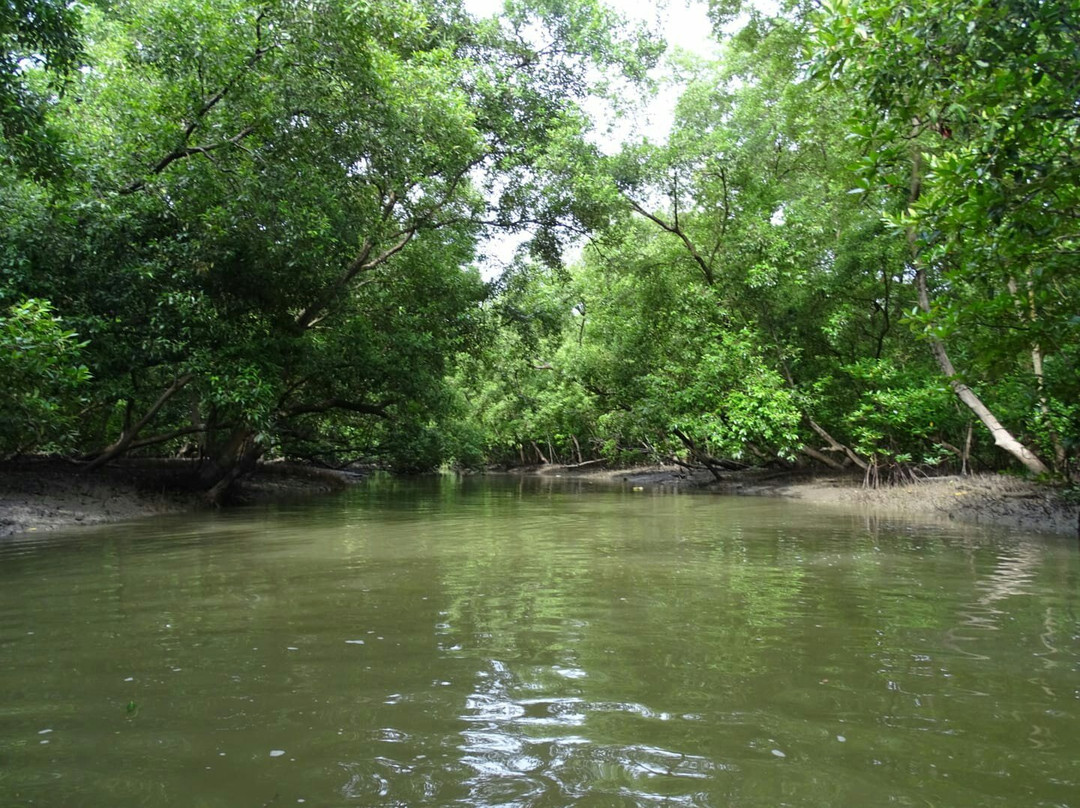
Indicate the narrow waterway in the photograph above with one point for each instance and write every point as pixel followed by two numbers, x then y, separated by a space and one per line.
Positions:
pixel 529 643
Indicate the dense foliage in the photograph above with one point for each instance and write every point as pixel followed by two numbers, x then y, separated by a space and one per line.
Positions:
pixel 856 249
pixel 267 214
pixel 237 229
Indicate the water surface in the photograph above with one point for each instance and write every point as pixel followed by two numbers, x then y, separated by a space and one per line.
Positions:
pixel 530 643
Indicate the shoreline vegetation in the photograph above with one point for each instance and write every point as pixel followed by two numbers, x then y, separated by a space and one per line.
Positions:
pixel 41 495
pixel 241 231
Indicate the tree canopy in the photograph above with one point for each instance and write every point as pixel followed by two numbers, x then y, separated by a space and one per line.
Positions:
pixel 236 229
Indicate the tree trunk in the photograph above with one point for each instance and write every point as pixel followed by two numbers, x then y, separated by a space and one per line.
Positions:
pixel 234 458
pixel 1002 437
pixel 219 492
pixel 1030 314
pixel 825 460
pixel 967 449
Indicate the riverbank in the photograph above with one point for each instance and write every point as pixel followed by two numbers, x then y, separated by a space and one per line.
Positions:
pixel 39 495
pixel 983 499
pixel 43 495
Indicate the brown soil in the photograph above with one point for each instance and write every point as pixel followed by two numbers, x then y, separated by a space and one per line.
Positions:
pixel 38 495
pixel 983 498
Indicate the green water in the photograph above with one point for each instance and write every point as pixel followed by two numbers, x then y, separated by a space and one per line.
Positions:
pixel 506 643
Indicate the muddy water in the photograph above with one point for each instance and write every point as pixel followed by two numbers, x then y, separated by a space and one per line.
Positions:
pixel 487 643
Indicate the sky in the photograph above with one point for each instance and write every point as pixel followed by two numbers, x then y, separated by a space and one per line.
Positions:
pixel 684 24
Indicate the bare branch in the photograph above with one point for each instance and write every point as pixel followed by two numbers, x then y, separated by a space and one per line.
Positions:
pixel 825 460
pixel 836 446
pixel 181 153
pixel 675 229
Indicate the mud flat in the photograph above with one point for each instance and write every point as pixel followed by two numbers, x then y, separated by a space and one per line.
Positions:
pixel 983 498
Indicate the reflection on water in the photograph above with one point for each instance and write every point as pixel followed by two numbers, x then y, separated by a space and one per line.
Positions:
pixel 535 643
pixel 533 746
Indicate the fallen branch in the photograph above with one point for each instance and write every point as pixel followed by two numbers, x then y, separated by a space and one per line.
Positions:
pixel 586 463
pixel 836 446
pixel 825 460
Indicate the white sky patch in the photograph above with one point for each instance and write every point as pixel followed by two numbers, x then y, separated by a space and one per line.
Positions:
pixel 684 25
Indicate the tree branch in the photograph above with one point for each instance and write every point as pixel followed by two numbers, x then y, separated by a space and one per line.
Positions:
pixel 128 437
pixel 182 150
pixel 836 446
pixel 337 404
pixel 675 229
pixel 1002 437
pixel 176 433
pixel 825 460
pixel 362 262
pixel 181 153
pixel 711 463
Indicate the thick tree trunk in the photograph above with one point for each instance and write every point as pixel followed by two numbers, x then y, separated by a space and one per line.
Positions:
pixel 234 458
pixel 1002 437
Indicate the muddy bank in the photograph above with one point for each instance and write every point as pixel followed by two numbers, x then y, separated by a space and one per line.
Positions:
pixel 986 499
pixel 38 495
pixel 43 495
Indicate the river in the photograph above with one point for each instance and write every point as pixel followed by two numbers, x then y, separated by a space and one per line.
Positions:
pixel 486 642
